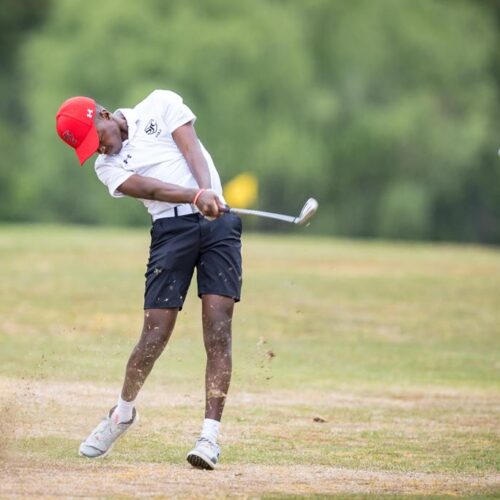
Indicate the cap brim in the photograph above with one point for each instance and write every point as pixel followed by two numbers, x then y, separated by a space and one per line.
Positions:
pixel 88 147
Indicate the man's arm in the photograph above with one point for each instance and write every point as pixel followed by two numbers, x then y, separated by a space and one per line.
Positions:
pixel 148 188
pixel 187 141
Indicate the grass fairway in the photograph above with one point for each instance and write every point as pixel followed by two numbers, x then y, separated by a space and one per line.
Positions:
pixel 394 348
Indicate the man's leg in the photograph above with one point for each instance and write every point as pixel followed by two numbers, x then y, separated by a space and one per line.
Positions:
pixel 157 329
pixel 219 274
pixel 217 316
pixel 156 332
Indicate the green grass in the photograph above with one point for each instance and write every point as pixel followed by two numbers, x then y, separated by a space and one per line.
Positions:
pixel 337 314
pixel 411 330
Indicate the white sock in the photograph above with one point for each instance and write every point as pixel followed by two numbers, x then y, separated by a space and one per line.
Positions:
pixel 210 429
pixel 124 410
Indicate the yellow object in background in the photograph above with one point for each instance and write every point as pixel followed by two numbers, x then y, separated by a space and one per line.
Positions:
pixel 241 191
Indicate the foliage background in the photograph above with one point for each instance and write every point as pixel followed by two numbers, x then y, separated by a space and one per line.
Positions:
pixel 385 111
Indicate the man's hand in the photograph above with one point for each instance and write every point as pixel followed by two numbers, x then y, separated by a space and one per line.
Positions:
pixel 209 204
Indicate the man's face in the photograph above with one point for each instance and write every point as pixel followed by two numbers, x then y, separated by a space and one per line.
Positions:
pixel 110 139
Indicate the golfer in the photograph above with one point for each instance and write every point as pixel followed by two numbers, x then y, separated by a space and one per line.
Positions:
pixel 152 152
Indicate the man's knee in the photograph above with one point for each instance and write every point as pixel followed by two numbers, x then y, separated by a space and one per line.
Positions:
pixel 156 331
pixel 217 334
pixel 158 323
pixel 217 320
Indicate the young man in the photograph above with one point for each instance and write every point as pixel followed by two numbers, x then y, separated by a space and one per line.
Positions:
pixel 151 152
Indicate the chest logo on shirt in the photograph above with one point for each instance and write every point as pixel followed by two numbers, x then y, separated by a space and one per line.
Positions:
pixel 152 128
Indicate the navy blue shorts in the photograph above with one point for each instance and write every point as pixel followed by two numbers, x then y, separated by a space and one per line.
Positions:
pixel 181 244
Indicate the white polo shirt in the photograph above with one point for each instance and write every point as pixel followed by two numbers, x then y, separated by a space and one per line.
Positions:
pixel 151 151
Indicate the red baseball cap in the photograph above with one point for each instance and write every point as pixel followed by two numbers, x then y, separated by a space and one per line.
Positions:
pixel 75 126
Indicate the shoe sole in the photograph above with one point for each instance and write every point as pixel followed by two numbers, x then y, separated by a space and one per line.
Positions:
pixel 198 460
pixel 93 457
pixel 102 455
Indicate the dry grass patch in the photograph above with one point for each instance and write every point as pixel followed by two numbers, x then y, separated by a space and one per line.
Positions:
pixel 395 443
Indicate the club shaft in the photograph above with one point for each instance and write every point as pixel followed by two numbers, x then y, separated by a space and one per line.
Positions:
pixel 269 215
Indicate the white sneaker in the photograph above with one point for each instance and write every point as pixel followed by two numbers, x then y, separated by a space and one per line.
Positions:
pixel 204 455
pixel 102 438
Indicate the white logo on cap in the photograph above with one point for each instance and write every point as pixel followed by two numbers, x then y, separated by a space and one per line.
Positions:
pixel 90 113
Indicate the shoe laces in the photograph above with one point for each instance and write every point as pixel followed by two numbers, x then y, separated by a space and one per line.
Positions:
pixel 205 440
pixel 210 444
pixel 106 428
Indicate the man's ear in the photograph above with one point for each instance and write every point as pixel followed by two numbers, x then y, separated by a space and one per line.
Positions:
pixel 105 114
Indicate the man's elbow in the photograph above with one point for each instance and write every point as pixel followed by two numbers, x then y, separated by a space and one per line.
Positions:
pixel 123 188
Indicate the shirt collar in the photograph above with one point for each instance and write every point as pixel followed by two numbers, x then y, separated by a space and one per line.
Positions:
pixel 132 118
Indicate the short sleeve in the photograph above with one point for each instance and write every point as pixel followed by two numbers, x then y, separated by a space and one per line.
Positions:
pixel 173 110
pixel 112 175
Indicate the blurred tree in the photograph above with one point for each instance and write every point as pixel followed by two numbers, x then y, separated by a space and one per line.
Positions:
pixel 414 96
pixel 16 20
pixel 474 211
pixel 243 67
pixel 385 111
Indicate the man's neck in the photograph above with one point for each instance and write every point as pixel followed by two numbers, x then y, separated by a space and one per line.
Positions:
pixel 122 124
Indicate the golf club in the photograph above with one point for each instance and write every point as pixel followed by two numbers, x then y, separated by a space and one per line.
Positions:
pixel 308 210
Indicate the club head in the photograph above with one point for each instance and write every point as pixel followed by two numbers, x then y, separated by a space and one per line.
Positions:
pixel 308 210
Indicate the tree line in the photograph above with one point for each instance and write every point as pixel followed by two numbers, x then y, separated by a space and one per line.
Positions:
pixel 386 111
